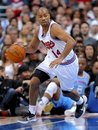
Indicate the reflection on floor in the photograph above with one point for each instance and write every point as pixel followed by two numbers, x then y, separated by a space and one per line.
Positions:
pixel 87 122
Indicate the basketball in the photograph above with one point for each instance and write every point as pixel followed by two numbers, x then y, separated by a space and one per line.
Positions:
pixel 16 53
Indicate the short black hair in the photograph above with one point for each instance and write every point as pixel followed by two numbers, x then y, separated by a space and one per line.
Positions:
pixel 22 69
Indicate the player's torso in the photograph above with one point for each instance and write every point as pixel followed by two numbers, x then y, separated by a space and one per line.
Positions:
pixel 54 45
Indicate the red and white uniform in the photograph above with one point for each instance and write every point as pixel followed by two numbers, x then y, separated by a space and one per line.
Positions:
pixel 54 46
pixel 69 66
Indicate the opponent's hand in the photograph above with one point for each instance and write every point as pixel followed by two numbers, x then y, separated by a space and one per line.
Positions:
pixel 55 63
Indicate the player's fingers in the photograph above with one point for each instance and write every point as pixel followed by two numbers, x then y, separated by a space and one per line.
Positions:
pixel 52 65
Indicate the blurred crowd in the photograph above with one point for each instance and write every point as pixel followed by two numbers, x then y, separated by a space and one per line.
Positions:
pixel 79 18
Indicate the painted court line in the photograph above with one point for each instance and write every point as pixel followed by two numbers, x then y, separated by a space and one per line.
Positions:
pixel 44 124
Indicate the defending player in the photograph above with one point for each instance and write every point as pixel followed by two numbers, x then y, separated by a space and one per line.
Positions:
pixel 53 97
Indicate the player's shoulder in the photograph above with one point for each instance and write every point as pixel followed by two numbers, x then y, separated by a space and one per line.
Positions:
pixel 56 29
pixel 54 25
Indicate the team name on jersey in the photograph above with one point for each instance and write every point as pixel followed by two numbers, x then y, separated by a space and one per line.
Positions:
pixel 50 44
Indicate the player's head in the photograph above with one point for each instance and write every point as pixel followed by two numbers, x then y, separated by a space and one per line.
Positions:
pixel 43 16
pixel 82 64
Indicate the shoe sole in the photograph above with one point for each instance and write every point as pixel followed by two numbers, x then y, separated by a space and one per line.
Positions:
pixel 28 121
pixel 70 112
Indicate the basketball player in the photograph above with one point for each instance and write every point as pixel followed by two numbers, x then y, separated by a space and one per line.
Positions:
pixel 55 99
pixel 60 61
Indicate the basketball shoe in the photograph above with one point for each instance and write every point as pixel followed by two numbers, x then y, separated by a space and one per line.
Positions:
pixel 80 109
pixel 27 118
pixel 70 112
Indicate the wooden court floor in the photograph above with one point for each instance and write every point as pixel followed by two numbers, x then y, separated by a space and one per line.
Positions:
pixel 86 122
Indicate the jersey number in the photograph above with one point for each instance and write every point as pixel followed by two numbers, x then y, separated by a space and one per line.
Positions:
pixel 56 53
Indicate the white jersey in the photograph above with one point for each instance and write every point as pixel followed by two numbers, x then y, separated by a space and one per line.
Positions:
pixel 67 71
pixel 54 45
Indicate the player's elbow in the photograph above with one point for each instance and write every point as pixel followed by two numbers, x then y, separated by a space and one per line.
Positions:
pixel 71 43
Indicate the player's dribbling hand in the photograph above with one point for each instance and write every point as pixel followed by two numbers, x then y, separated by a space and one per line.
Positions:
pixel 55 63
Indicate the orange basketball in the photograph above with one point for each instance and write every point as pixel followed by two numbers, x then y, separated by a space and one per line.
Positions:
pixel 16 53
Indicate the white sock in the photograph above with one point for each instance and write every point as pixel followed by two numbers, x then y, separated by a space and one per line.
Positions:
pixel 45 100
pixel 80 101
pixel 32 109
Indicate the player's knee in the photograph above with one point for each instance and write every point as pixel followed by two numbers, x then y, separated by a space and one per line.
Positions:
pixel 34 83
pixel 51 89
pixel 56 81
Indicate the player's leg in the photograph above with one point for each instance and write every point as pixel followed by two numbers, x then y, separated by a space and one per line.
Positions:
pixel 52 91
pixel 80 101
pixel 54 94
pixel 65 103
pixel 37 78
pixel 41 74
pixel 67 75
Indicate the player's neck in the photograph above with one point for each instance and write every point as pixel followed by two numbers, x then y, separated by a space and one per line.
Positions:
pixel 46 26
pixel 45 29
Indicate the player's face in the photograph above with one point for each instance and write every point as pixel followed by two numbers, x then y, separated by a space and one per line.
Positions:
pixel 43 17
